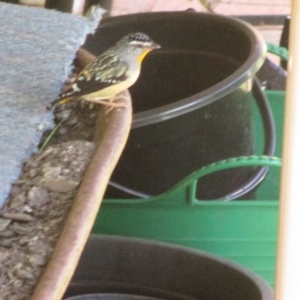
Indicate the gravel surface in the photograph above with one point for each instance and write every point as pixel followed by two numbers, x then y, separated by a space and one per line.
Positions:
pixel 40 200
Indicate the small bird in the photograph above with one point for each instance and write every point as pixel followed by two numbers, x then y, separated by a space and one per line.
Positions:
pixel 110 73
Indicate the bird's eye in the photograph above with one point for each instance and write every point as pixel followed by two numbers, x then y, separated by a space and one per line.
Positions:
pixel 139 45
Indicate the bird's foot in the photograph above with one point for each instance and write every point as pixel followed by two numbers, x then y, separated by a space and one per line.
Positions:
pixel 111 103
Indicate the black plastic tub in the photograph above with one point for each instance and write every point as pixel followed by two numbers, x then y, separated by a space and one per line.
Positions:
pixel 192 103
pixel 124 266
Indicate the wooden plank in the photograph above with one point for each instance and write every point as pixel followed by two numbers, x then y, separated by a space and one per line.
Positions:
pixel 248 9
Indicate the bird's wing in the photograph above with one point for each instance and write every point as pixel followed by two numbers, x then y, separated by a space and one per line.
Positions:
pixel 106 70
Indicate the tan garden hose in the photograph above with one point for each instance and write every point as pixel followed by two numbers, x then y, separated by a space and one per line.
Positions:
pixel 113 129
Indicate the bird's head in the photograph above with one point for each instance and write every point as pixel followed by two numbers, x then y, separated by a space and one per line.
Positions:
pixel 137 44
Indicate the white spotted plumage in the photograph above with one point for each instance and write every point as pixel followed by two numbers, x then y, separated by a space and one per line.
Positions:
pixel 110 73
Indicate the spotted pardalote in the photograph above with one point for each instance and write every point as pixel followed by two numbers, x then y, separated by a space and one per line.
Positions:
pixel 110 73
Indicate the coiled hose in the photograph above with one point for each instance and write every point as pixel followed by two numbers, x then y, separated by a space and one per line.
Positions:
pixel 260 173
pixel 269 146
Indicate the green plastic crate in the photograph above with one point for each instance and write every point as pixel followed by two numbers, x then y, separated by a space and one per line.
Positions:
pixel 243 231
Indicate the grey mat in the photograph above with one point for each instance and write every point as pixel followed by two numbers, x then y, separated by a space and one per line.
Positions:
pixel 37 47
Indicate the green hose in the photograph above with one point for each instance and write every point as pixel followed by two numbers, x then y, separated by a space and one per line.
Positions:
pixel 282 52
pixel 190 182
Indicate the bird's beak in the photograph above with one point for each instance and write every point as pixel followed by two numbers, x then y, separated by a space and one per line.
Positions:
pixel 155 46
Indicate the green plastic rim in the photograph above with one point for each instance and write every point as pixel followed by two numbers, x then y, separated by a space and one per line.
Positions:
pixel 282 52
pixel 190 182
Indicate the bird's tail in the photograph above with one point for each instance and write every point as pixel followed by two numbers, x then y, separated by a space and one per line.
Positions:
pixel 58 102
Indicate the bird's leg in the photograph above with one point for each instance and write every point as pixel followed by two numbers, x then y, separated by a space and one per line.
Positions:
pixel 110 102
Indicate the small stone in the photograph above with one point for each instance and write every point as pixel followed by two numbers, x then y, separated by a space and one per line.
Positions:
pixel 46 165
pixel 4 223
pixel 7 243
pixel 73 121
pixel 41 247
pixel 24 274
pixel 20 228
pixel 37 197
pixel 17 201
pixel 65 172
pixel 60 184
pixel 18 217
pixel 37 259
pixel 23 241
pixel 3 254
pixel 40 156
pixel 87 134
pixel 93 115
pixel 16 297
pixel 62 130
pixel 63 115
pixel 33 173
pixel 52 171
pixel 17 283
pixel 27 209
pixel 6 233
